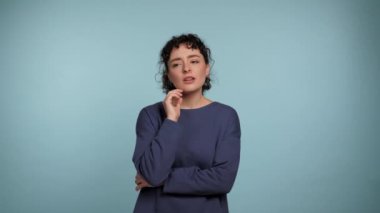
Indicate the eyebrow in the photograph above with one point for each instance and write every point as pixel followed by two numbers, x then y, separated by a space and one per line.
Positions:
pixel 190 56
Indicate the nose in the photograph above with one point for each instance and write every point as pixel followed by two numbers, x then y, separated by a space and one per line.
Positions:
pixel 186 67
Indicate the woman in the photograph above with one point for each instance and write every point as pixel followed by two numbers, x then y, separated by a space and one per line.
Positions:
pixel 188 146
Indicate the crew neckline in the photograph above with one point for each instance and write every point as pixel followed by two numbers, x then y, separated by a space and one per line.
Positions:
pixel 202 107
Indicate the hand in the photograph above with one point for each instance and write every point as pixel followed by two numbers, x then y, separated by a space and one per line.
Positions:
pixel 172 104
pixel 141 182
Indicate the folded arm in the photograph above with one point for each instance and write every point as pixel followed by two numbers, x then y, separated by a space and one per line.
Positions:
pixel 220 177
pixel 155 148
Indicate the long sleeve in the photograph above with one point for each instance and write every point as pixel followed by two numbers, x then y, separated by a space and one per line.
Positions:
pixel 155 147
pixel 220 177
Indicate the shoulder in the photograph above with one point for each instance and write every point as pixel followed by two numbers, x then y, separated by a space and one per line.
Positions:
pixel 154 111
pixel 226 115
pixel 228 119
pixel 225 109
pixel 153 107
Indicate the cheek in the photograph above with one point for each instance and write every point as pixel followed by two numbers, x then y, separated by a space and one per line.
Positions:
pixel 204 73
pixel 173 77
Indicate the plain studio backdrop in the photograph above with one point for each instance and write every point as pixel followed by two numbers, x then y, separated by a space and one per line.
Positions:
pixel 303 75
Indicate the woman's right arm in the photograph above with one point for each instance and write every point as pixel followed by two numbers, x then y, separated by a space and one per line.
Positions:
pixel 156 145
pixel 155 149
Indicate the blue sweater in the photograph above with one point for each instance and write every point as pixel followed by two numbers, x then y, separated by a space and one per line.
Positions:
pixel 192 163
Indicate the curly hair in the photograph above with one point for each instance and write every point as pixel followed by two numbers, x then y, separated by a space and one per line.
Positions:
pixel 192 41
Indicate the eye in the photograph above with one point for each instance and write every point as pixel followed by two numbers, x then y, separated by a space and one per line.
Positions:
pixel 175 65
pixel 194 61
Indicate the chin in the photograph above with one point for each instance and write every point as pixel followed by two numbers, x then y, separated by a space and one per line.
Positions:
pixel 191 90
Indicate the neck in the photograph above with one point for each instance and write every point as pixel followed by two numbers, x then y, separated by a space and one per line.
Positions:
pixel 192 100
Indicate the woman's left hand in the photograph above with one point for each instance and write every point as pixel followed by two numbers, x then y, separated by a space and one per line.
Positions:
pixel 141 182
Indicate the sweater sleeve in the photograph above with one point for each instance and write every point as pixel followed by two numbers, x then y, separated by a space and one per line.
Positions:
pixel 155 148
pixel 215 180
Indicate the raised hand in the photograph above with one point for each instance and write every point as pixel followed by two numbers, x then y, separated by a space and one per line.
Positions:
pixel 172 104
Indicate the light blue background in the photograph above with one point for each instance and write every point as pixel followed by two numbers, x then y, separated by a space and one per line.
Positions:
pixel 303 76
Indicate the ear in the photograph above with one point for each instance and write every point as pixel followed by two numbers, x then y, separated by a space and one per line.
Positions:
pixel 208 70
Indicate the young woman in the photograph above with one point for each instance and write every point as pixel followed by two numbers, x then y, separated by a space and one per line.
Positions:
pixel 188 146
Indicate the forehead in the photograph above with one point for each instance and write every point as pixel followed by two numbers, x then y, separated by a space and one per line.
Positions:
pixel 183 51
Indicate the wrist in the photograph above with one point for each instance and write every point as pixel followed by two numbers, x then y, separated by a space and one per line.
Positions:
pixel 172 118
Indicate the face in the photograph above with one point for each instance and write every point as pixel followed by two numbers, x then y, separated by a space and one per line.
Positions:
pixel 187 69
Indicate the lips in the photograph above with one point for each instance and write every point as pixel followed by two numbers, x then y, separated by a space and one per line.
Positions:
pixel 189 79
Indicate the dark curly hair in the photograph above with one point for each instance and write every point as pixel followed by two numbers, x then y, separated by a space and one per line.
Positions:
pixel 191 40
